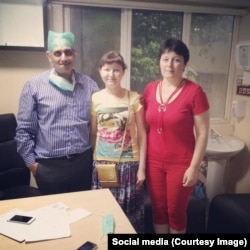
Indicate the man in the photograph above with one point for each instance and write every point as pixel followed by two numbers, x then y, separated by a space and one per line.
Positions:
pixel 53 132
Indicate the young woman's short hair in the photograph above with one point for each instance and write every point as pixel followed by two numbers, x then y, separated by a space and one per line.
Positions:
pixel 112 57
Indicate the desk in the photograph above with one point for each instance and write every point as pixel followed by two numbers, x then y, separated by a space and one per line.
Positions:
pixel 98 202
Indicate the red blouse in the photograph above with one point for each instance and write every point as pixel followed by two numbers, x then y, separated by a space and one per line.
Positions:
pixel 176 142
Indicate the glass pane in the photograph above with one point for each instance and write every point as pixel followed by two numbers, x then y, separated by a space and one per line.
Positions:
pixel 97 31
pixel 149 30
pixel 210 48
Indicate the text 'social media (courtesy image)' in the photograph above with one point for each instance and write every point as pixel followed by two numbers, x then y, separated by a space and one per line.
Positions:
pixel 156 241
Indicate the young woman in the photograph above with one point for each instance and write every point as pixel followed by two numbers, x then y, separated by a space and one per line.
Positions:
pixel 119 136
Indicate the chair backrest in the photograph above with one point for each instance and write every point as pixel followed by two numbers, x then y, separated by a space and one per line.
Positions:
pixel 13 171
pixel 7 127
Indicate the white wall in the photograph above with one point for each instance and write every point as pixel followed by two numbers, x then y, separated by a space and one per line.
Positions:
pixel 16 67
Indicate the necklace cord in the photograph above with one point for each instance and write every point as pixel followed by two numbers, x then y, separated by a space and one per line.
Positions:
pixel 172 94
pixel 163 105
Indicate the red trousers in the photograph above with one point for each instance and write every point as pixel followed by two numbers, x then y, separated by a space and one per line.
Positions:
pixel 168 197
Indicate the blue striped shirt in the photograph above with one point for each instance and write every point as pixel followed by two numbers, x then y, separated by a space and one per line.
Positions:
pixel 52 122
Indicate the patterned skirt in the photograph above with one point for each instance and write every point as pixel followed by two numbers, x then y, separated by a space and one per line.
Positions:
pixel 130 197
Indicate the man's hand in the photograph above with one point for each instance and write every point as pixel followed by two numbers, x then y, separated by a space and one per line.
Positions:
pixel 33 168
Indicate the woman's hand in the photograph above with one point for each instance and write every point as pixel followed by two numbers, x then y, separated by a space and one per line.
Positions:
pixel 190 177
pixel 140 178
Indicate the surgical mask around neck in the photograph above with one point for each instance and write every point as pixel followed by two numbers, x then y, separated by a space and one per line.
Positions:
pixel 61 82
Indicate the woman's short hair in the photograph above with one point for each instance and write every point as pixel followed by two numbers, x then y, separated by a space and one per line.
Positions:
pixel 173 44
pixel 112 57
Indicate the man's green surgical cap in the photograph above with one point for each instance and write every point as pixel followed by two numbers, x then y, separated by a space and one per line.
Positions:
pixel 57 41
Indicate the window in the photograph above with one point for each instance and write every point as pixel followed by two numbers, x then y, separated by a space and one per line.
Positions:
pixel 149 29
pixel 208 36
pixel 210 49
pixel 97 31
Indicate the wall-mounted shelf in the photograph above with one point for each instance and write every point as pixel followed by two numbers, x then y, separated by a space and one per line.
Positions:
pixel 23 24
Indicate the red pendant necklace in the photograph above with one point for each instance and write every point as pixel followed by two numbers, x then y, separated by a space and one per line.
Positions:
pixel 163 105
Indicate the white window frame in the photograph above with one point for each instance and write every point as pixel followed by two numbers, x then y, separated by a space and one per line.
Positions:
pixel 59 10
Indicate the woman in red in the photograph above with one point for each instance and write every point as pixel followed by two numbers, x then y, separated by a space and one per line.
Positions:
pixel 177 116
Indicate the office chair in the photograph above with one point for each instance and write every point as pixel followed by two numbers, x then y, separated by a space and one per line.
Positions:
pixel 14 175
pixel 229 213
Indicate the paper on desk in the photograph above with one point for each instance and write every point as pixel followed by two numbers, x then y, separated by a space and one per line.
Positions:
pixel 77 214
pixel 60 209
pixel 57 218
pixel 52 222
pixel 12 230
pixel 40 229
pixel 48 230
